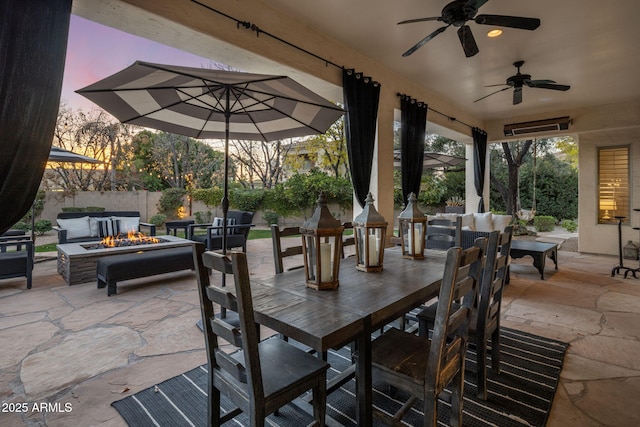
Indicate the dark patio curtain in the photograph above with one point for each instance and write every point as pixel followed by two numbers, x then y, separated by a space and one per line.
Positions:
pixel 361 97
pixel 33 44
pixel 412 134
pixel 479 162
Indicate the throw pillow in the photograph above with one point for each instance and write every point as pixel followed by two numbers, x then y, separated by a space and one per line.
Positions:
pixel 93 225
pixel 108 227
pixel 218 221
pixel 76 227
pixel 483 221
pixel 128 223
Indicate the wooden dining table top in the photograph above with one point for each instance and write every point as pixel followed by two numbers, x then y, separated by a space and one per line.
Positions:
pixel 364 302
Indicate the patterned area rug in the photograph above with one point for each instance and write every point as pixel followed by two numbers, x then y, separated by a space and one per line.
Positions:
pixel 521 395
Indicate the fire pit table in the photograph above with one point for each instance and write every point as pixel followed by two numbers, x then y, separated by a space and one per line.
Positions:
pixel 77 261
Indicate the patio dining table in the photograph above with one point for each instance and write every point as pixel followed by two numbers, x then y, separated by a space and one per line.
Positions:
pixel 363 303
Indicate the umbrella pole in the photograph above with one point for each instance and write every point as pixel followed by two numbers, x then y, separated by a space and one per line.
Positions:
pixel 225 195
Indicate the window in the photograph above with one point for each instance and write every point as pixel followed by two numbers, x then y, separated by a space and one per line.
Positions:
pixel 613 184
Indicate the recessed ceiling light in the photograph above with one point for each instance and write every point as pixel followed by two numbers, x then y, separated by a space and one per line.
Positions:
pixel 494 33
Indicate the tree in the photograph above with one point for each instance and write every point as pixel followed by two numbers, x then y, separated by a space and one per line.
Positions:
pixel 514 156
pixel 327 152
pixel 92 134
pixel 168 160
pixel 259 161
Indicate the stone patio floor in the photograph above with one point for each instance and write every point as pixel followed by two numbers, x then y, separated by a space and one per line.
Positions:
pixel 69 351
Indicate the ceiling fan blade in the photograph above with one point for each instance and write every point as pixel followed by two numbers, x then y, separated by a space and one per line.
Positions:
pixel 424 40
pixel 492 93
pixel 411 21
pixel 508 21
pixel 476 3
pixel 542 84
pixel 517 95
pixel 539 82
pixel 468 42
pixel 500 84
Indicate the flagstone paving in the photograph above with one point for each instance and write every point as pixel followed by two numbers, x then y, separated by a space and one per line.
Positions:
pixel 74 345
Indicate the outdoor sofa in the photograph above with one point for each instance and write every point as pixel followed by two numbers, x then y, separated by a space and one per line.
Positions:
pixel 476 225
pixel 76 227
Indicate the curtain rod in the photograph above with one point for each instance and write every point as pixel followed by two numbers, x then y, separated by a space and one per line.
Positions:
pixel 453 119
pixel 253 27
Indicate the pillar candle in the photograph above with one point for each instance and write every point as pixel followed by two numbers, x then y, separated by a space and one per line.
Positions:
pixel 325 261
pixel 373 253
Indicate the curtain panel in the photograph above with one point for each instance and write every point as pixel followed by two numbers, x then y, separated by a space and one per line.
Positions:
pixel 412 137
pixel 362 96
pixel 479 162
pixel 33 44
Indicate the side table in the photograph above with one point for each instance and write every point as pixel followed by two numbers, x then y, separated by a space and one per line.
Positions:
pixel 174 226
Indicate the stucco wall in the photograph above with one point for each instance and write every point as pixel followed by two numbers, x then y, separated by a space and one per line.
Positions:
pixel 603 238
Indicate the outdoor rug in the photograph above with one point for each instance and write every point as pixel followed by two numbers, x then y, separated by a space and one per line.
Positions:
pixel 521 395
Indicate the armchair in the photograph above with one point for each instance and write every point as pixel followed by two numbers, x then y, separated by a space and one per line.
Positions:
pixel 237 233
pixel 16 262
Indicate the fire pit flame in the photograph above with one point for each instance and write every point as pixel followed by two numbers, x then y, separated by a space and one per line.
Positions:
pixel 133 238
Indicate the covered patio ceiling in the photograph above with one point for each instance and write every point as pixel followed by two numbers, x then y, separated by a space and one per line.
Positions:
pixel 587 44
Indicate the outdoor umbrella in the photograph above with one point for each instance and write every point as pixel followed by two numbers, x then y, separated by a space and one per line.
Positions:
pixel 61 155
pixel 213 104
pixel 432 160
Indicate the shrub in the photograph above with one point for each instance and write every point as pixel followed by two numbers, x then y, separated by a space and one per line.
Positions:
pixel 204 217
pixel 21 226
pixel 209 196
pixel 42 226
pixel 570 225
pixel 73 209
pixel 271 217
pixel 94 209
pixel 246 200
pixel 544 223
pixel 158 219
pixel 171 200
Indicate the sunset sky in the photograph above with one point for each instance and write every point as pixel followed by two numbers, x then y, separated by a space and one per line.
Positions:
pixel 95 51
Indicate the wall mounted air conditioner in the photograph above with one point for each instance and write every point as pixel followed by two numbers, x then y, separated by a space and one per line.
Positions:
pixel 548 125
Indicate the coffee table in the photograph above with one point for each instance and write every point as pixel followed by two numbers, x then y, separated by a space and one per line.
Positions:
pixel 537 250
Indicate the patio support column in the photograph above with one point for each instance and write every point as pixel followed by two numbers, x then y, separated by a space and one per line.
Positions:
pixel 382 170
pixel 33 44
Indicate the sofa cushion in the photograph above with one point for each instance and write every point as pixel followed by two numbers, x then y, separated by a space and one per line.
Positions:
pixel 500 222
pixel 76 227
pixel 468 222
pixel 483 221
pixel 128 223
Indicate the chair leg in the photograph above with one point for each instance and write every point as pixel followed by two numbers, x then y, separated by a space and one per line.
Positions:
pixel 423 326
pixel 495 351
pixel 320 401
pixel 214 407
pixel 430 410
pixel 481 365
pixel 457 389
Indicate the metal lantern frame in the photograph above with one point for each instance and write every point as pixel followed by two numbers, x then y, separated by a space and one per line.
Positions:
pixel 413 227
pixel 322 248
pixel 370 232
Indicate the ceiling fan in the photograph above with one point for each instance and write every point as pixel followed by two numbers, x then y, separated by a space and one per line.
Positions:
pixel 458 12
pixel 519 80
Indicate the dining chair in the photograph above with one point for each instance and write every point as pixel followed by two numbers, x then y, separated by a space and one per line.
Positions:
pixel 278 253
pixel 485 313
pixel 348 239
pixel 421 366
pixel 261 376
pixel 443 233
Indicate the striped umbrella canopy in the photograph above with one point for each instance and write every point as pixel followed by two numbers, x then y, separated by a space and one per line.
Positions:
pixel 213 104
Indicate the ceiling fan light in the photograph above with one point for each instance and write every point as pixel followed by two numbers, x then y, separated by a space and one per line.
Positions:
pixel 494 33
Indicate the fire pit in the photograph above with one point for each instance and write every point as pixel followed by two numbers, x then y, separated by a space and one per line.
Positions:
pixel 77 261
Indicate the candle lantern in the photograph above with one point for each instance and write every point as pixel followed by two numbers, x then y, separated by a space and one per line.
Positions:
pixel 321 247
pixel 370 229
pixel 413 226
